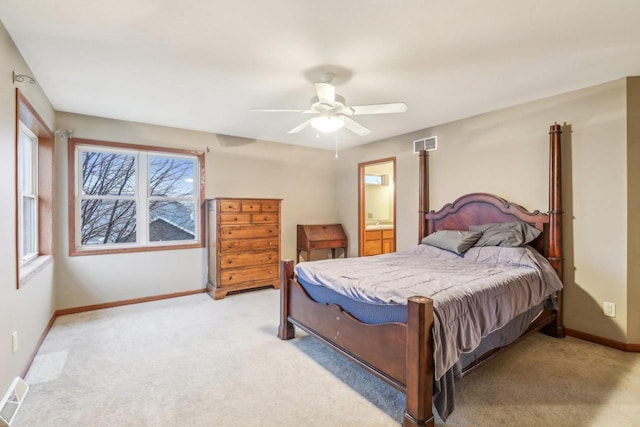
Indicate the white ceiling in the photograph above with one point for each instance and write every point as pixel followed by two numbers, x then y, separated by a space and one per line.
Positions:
pixel 202 64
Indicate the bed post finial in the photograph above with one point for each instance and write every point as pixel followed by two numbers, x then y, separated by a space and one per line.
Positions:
pixel 555 216
pixel 423 194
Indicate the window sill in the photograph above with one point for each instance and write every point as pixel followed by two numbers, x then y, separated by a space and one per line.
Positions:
pixel 30 269
pixel 129 249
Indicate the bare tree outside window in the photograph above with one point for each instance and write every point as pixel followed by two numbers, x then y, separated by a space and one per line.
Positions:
pixel 171 195
pixel 109 205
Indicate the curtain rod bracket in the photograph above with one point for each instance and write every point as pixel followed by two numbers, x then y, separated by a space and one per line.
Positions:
pixel 21 78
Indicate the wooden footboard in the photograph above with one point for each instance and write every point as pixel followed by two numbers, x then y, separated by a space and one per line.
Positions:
pixel 400 354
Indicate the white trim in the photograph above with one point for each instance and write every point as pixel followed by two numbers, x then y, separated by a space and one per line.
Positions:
pixel 31 193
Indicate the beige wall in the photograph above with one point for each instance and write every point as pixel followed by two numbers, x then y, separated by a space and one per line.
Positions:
pixel 29 309
pixel 506 153
pixel 235 167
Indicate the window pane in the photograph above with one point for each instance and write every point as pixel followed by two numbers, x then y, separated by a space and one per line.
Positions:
pixel 108 174
pixel 27 183
pixel 171 176
pixel 29 235
pixel 108 221
pixel 170 220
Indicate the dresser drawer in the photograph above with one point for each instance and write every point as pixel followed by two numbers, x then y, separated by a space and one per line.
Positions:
pixel 251 206
pixel 248 274
pixel 268 206
pixel 327 244
pixel 248 231
pixel 248 245
pixel 235 218
pixel 265 218
pixel 230 205
pixel 246 259
pixel 388 234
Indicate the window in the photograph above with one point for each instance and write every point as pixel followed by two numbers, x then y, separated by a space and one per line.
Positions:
pixel 34 191
pixel 28 194
pixel 134 198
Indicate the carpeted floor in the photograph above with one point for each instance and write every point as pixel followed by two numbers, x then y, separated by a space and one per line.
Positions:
pixel 193 361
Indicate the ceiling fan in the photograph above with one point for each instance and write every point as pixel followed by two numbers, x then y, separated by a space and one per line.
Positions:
pixel 331 113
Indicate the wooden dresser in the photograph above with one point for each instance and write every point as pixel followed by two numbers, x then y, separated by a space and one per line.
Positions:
pixel 243 244
pixel 322 236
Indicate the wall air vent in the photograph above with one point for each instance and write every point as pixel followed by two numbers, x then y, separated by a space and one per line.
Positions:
pixel 428 144
pixel 12 400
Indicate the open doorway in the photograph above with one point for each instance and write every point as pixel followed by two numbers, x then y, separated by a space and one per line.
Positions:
pixel 377 207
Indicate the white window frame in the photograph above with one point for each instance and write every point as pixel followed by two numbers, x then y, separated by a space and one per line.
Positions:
pixel 27 136
pixel 141 198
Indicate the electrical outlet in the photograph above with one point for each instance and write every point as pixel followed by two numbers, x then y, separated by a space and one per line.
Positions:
pixel 609 308
pixel 14 341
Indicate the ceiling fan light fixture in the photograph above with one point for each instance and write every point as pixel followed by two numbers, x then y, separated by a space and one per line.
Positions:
pixel 327 124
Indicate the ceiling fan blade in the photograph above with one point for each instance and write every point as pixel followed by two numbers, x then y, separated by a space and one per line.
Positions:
pixel 355 127
pixel 326 93
pixel 279 110
pixel 301 126
pixel 394 107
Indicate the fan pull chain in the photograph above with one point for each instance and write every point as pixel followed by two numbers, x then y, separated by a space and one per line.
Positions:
pixel 336 145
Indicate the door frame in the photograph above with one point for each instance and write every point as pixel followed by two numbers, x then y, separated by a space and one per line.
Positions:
pixel 361 211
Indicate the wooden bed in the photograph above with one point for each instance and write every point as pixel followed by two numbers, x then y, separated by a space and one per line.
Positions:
pixel 402 354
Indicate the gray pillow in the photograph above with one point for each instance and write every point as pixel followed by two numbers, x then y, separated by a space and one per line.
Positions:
pixel 510 234
pixel 452 240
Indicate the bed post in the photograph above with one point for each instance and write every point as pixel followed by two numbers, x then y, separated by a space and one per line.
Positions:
pixel 419 364
pixel 423 194
pixel 285 330
pixel 555 218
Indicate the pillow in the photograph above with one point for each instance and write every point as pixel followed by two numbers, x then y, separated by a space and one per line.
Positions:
pixel 510 234
pixel 452 240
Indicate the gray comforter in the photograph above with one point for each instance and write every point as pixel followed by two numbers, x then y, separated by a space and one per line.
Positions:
pixel 472 295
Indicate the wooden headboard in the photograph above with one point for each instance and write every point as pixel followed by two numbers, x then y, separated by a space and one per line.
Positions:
pixel 483 208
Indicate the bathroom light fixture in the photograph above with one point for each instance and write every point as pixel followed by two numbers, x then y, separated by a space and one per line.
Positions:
pixel 327 124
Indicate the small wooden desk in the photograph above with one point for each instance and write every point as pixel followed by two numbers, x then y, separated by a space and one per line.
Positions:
pixel 321 236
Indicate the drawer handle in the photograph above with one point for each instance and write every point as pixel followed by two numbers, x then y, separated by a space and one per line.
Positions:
pixel 230 206
pixel 230 276
pixel 265 218
pixel 270 243
pixel 235 218
pixel 229 262
pixel 270 256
